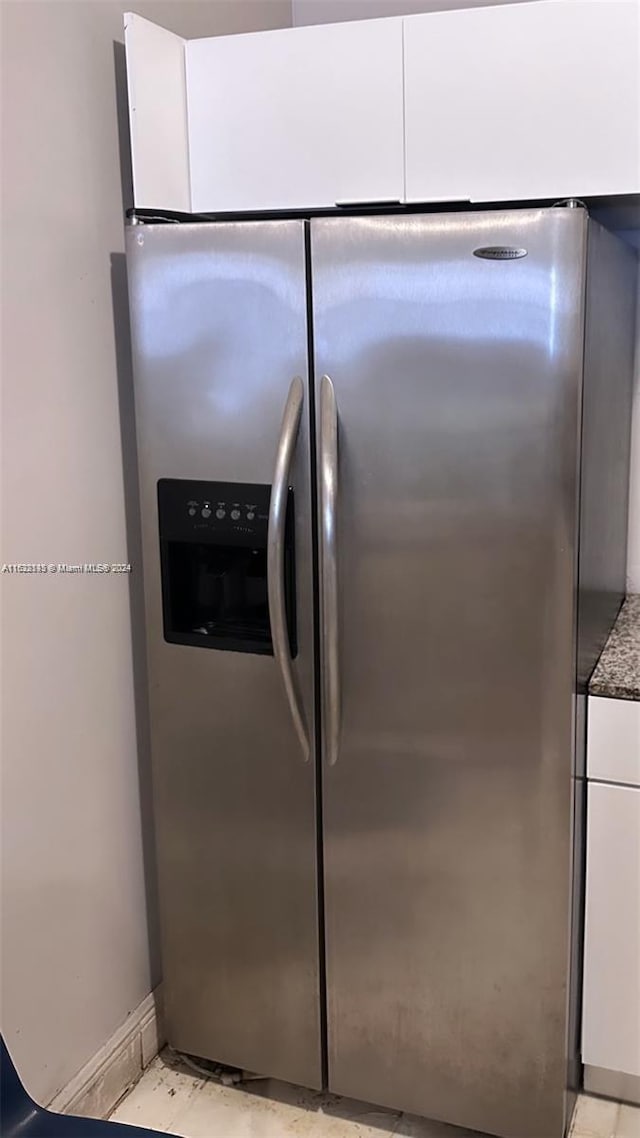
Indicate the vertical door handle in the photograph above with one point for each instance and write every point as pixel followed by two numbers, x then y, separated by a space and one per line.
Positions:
pixel 276 551
pixel 329 574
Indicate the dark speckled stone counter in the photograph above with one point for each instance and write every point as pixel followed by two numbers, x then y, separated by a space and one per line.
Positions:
pixel 617 673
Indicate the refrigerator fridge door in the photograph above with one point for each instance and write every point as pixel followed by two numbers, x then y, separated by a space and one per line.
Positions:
pixel 222 406
pixel 448 433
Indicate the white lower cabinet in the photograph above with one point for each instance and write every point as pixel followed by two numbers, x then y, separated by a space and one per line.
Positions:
pixel 611 1008
pixel 613 740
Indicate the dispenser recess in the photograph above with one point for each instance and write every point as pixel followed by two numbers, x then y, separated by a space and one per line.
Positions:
pixel 213 557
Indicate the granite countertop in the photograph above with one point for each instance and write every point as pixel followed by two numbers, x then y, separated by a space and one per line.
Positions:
pixel 617 673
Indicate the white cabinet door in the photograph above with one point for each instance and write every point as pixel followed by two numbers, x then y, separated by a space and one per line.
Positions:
pixel 613 740
pixel 296 118
pixel 522 101
pixel 157 115
pixel 611 1011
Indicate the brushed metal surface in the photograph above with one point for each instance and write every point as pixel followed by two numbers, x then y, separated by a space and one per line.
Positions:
pixel 447 817
pixel 611 291
pixel 219 331
pixel 275 554
pixel 612 275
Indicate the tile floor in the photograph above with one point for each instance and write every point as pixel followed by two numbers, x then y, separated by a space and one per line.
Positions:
pixel 170 1097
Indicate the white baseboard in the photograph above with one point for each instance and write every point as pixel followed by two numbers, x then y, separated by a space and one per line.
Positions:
pixel 101 1083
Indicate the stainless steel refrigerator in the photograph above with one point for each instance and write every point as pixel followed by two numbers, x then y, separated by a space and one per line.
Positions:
pixel 383 465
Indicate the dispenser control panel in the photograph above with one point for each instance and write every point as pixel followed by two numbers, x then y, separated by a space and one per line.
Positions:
pixel 233 512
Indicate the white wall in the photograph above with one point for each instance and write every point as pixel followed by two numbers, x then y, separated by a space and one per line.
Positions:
pixel 76 957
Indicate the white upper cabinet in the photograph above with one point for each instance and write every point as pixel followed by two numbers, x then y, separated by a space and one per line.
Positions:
pixel 510 102
pixel 157 115
pixel 522 101
pixel 299 118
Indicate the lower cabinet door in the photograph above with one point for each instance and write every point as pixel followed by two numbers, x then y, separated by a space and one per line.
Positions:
pixel 611 1019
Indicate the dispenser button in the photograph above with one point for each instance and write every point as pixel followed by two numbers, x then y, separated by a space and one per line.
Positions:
pixel 206 512
pixel 235 514
pixel 192 511
pixel 250 516
pixel 220 514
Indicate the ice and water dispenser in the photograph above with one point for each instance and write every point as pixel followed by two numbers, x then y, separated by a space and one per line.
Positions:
pixel 213 554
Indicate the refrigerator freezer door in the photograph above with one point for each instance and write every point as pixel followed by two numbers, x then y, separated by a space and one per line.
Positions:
pixel 219 335
pixel 447 802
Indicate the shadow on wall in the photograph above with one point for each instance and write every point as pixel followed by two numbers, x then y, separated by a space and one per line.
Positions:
pixel 122 333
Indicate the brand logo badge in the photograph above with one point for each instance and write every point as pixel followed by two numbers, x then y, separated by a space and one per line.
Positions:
pixel 499 253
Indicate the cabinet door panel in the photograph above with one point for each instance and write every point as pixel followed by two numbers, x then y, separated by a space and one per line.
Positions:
pixel 157 100
pixel 296 118
pixel 611 1025
pixel 522 101
pixel 613 740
